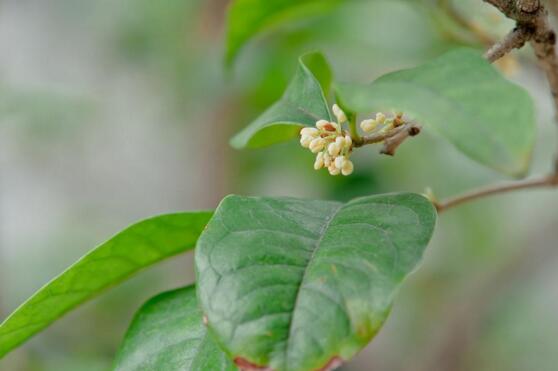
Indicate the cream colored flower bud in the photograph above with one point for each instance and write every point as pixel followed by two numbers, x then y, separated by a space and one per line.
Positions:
pixel 333 170
pixel 380 117
pixel 340 141
pixel 368 125
pixel 311 132
pixel 316 145
pixel 347 168
pixel 305 140
pixel 338 112
pixel 327 126
pixel 327 159
pixel 333 149
pixel 348 141
pixel 319 163
pixel 340 162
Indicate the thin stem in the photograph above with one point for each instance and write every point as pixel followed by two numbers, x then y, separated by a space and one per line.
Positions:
pixel 353 128
pixel 514 40
pixel 548 181
pixel 410 128
pixel 532 25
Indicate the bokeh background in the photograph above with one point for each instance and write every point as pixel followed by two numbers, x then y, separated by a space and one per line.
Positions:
pixel 113 111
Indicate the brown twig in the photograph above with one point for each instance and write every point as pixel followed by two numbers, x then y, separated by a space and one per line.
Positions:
pixel 532 15
pixel 532 25
pixel 391 144
pixel 514 40
pixel 392 139
pixel 547 181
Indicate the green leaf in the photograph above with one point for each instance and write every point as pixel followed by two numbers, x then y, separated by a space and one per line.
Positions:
pixel 247 18
pixel 136 247
pixel 463 98
pixel 297 285
pixel 168 334
pixel 302 104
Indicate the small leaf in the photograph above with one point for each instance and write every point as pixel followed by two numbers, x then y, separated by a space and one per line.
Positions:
pixel 168 334
pixel 136 247
pixel 463 98
pixel 247 18
pixel 302 104
pixel 296 285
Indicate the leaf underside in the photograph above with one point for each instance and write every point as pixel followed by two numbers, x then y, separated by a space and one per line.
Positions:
pixel 463 98
pixel 302 104
pixel 168 334
pixel 297 285
pixel 136 247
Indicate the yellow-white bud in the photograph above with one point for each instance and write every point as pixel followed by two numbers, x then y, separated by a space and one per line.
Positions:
pixel 340 162
pixel 338 112
pixel 340 141
pixel 333 170
pixel 347 168
pixel 319 163
pixel 368 125
pixel 380 117
pixel 305 141
pixel 348 141
pixel 333 149
pixel 327 159
pixel 316 145
pixel 311 132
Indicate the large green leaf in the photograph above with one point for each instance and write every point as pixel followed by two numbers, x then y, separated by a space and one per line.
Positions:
pixel 136 247
pixel 168 334
pixel 247 18
pixel 295 285
pixel 302 104
pixel 462 97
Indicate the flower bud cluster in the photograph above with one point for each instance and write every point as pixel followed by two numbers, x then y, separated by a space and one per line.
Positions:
pixel 331 144
pixel 382 124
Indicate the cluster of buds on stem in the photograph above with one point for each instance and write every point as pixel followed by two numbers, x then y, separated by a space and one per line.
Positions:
pixel 382 124
pixel 331 144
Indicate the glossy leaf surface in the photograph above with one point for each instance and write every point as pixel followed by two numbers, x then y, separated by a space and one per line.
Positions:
pixel 302 104
pixel 136 247
pixel 463 98
pixel 168 334
pixel 297 285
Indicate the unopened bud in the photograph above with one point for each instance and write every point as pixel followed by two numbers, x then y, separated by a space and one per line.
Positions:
pixel 368 125
pixel 338 112
pixel 348 141
pixel 311 132
pixel 347 168
pixel 333 170
pixel 380 117
pixel 327 159
pixel 316 145
pixel 305 141
pixel 340 162
pixel 333 149
pixel 319 163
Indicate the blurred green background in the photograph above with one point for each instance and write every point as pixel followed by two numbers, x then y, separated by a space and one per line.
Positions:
pixel 113 111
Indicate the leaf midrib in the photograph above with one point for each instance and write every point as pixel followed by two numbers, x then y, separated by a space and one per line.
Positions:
pixel 318 244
